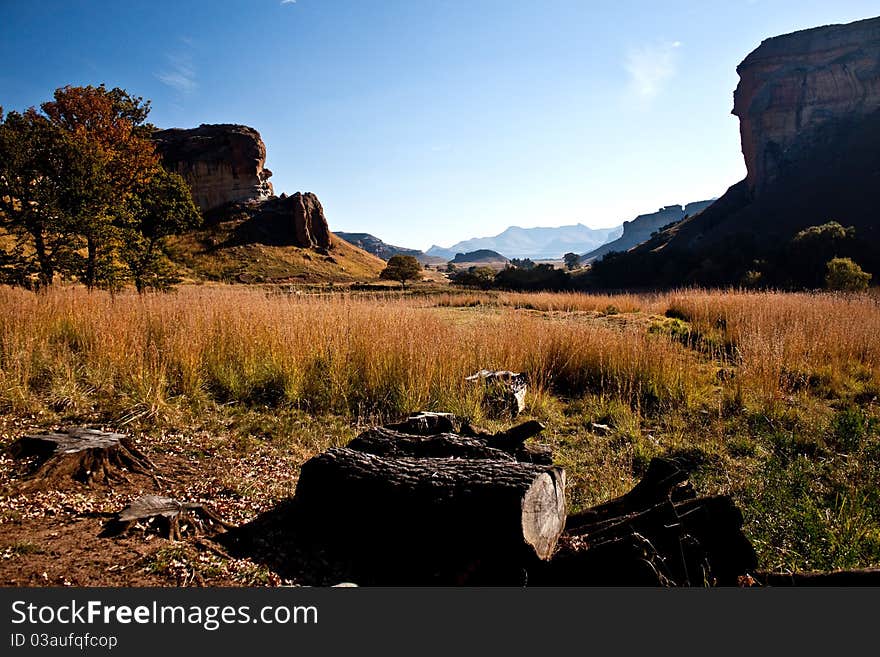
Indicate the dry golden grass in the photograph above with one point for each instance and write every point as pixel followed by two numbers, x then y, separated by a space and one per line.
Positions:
pixel 784 342
pixel 357 355
pixel 382 355
pixel 772 398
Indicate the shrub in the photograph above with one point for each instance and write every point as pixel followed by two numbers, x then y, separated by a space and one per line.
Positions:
pixel 846 276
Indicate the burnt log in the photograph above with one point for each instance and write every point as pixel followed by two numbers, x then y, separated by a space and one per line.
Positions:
pixel 393 444
pixel 427 423
pixel 658 534
pixel 383 441
pixel 87 456
pixel 431 520
pixel 663 480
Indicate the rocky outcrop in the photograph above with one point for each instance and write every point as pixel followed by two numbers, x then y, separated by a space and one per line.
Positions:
pixel 640 229
pixel 296 220
pixel 792 85
pixel 809 109
pixel 222 163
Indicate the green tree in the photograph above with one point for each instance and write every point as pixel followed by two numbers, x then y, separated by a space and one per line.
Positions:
pixel 482 277
pixel 35 161
pixel 845 275
pixel 157 209
pixel 812 248
pixel 522 263
pixel 572 261
pixel 402 268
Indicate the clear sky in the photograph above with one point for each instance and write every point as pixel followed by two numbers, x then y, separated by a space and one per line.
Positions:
pixel 432 121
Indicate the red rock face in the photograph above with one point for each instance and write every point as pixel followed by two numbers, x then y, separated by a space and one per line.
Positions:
pixel 792 84
pixel 221 163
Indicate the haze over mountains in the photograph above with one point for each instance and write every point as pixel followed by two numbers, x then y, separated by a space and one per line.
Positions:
pixel 536 243
pixel 809 110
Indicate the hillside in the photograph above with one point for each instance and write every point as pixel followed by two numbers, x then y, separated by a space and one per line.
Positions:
pixel 374 245
pixel 214 254
pixel 640 229
pixel 539 243
pixel 250 235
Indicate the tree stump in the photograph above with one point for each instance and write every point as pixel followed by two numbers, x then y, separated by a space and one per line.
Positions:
pixel 505 392
pixel 167 517
pixel 87 456
pixel 417 520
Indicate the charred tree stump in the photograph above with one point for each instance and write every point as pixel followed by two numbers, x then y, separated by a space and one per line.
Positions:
pixel 411 520
pixel 167 517
pixel 87 456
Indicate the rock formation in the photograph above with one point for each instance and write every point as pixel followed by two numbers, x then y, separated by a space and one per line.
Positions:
pixel 296 220
pixel 809 109
pixel 380 249
pixel 793 84
pixel 221 163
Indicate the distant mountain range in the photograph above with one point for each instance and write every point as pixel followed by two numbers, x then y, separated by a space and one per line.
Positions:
pixel 542 243
pixel 372 244
pixel 536 243
pixel 639 229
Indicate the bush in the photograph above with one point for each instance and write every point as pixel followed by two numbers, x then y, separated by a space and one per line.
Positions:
pixel 846 276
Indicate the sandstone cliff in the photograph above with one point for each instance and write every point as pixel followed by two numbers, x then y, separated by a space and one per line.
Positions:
pixel 221 163
pixel 793 84
pixel 809 110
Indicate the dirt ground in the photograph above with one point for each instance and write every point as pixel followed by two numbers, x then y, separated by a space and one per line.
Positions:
pixel 54 537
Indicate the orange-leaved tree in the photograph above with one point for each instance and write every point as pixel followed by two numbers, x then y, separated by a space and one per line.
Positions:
pixel 109 135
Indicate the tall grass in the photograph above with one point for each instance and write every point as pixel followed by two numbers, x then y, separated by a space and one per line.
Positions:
pixel 782 342
pixel 356 355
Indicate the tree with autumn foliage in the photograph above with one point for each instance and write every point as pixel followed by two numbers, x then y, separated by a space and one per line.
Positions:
pixel 81 183
pixel 108 131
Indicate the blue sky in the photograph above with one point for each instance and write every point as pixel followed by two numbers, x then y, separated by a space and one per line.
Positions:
pixel 433 121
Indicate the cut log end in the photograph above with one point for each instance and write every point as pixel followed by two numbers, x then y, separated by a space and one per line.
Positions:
pixel 543 512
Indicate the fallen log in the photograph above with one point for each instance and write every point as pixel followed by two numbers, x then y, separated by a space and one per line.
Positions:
pixel 427 423
pixel 87 456
pixel 394 444
pixel 412 520
pixel 383 441
pixel 663 480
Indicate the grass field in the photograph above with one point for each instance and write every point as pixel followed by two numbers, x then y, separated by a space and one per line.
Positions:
pixel 773 398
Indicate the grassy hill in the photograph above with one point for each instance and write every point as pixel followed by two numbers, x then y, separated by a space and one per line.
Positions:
pixel 214 254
